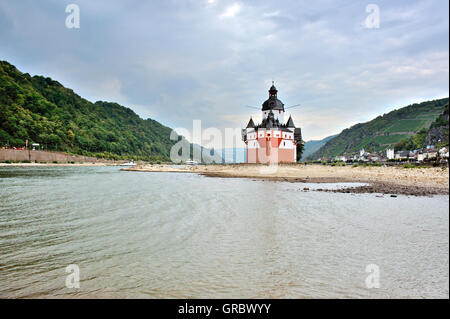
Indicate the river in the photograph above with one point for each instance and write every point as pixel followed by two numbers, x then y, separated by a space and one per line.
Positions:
pixel 175 235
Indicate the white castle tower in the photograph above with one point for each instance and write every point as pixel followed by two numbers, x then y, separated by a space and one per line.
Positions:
pixel 273 140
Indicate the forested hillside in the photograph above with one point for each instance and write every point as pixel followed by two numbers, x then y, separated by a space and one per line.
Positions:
pixel 384 131
pixel 43 111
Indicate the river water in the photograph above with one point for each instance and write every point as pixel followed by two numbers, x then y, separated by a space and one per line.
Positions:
pixel 175 235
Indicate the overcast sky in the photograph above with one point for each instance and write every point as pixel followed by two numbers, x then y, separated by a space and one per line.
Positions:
pixel 180 60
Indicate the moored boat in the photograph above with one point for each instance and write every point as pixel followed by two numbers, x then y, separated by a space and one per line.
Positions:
pixel 131 163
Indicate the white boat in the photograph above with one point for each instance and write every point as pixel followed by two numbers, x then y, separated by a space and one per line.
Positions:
pixel 190 162
pixel 128 164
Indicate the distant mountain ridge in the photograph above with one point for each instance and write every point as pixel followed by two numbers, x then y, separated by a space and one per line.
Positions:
pixel 384 131
pixel 233 155
pixel 314 145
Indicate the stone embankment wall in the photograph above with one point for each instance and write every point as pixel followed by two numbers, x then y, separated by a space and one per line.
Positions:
pixel 47 157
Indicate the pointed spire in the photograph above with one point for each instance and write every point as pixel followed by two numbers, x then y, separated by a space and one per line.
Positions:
pixel 273 90
pixel 250 124
pixel 290 122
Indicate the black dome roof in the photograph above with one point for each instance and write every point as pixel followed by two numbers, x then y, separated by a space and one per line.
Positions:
pixel 272 103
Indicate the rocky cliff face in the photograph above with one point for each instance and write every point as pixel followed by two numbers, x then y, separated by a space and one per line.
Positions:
pixel 438 133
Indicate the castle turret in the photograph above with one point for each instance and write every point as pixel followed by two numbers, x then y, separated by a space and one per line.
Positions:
pixel 250 124
pixel 290 122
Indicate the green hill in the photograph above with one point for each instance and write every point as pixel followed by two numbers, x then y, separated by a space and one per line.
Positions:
pixel 43 111
pixel 384 131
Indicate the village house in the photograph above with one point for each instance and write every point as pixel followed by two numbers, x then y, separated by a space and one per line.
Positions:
pixel 402 155
pixel 444 154
pixel 390 154
pixel 341 158
pixel 431 153
pixel 373 157
pixel 421 156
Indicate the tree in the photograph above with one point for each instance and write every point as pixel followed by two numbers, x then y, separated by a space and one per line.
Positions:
pixel 300 148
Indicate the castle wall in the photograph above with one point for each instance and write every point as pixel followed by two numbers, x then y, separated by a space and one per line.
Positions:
pixel 45 156
pixel 269 149
pixel 259 155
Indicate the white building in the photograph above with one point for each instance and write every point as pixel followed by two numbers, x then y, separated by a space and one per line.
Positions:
pixel 390 154
pixel 421 157
pixel 443 152
pixel 362 152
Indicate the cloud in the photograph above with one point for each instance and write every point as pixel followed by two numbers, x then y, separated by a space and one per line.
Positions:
pixel 272 14
pixel 231 11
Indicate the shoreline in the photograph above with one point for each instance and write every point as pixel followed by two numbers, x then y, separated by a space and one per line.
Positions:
pixel 383 180
pixel 55 164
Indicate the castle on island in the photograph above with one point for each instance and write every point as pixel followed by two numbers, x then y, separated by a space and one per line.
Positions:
pixel 274 140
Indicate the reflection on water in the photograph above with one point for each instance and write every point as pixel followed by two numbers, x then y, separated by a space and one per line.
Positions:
pixel 169 235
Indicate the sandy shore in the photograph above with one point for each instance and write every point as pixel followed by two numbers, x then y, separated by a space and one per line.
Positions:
pixel 386 180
